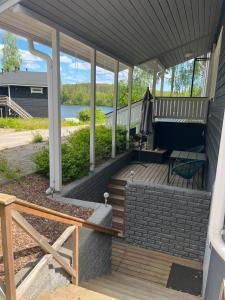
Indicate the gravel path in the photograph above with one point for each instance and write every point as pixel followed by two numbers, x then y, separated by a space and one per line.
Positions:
pixel 11 138
pixel 17 149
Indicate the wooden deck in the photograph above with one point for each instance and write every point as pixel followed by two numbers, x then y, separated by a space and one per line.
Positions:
pixel 157 173
pixel 146 264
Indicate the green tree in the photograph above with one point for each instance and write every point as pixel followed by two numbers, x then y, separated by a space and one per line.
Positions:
pixel 11 56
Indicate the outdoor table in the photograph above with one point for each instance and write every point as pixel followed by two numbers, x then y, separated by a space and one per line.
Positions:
pixel 185 155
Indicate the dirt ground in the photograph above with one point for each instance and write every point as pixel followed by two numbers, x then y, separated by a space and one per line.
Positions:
pixel 32 189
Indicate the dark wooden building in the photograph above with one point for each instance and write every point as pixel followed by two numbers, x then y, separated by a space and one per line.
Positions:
pixel 28 90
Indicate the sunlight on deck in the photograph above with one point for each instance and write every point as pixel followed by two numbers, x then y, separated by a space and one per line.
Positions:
pixel 157 174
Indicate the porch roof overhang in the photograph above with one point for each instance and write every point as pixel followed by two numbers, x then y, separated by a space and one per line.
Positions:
pixel 134 32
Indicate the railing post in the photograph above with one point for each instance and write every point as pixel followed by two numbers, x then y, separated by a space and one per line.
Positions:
pixel 76 255
pixel 7 244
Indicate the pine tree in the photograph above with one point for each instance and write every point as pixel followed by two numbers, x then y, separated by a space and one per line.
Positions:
pixel 11 56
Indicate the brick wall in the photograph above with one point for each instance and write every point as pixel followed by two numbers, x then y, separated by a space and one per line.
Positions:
pixel 92 187
pixel 167 219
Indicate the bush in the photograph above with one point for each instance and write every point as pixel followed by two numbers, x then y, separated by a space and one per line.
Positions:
pixel 75 152
pixel 11 173
pixel 37 138
pixel 85 115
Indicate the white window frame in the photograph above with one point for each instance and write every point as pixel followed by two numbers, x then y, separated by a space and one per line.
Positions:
pixel 36 90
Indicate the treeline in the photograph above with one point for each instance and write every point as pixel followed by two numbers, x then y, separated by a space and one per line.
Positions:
pixel 79 94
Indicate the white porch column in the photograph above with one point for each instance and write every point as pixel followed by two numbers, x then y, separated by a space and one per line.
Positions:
pixel 93 109
pixel 162 83
pixel 55 112
pixel 130 83
pixel 115 97
pixel 154 81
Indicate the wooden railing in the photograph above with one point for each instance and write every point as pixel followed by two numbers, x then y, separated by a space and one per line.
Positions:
pixel 10 209
pixel 193 109
pixel 6 101
pixel 177 108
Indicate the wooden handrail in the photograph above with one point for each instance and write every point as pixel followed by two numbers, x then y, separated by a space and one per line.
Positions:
pixel 40 211
pixel 10 206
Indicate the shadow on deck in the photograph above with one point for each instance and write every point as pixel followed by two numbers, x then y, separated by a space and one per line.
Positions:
pixel 157 174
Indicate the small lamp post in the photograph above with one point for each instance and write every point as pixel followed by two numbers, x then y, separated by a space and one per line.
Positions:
pixel 106 196
pixel 132 173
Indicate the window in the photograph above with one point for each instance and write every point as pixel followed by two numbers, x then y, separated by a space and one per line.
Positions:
pixel 36 90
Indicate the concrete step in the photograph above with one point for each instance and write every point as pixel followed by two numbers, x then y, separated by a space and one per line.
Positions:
pixel 116 189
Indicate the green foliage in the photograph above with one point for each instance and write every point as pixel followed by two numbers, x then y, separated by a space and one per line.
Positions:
pixel 84 116
pixel 37 138
pixel 11 173
pixel 183 78
pixel 11 60
pixel 79 94
pixel 30 124
pixel 75 152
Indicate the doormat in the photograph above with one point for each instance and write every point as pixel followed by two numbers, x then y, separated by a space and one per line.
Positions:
pixel 185 279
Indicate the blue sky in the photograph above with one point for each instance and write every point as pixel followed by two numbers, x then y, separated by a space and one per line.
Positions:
pixel 73 70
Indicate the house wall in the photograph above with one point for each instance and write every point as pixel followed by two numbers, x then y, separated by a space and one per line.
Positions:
pixel 3 91
pixel 216 274
pixel 167 219
pixel 215 118
pixel 34 104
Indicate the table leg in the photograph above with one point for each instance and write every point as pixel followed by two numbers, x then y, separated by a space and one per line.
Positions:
pixel 168 175
pixel 203 176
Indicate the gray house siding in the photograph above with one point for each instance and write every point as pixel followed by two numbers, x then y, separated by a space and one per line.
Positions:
pixel 216 275
pixel 35 104
pixel 3 91
pixel 215 119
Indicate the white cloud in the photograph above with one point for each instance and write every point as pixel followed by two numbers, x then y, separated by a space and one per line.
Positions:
pixel 65 59
pixel 80 66
pixel 28 57
pixel 32 66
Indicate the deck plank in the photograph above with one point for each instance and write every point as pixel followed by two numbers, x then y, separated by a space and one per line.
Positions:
pixel 157 174
pixel 146 264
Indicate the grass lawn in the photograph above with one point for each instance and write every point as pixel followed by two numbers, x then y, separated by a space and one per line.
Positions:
pixel 31 124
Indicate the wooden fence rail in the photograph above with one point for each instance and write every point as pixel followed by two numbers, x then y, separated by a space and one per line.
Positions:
pixel 177 108
pixel 10 207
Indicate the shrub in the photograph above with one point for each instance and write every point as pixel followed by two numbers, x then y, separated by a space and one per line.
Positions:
pixel 75 152
pixel 37 138
pixel 84 116
pixel 9 172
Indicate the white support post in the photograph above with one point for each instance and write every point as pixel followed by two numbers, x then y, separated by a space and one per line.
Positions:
pixel 154 81
pixel 162 83
pixel 93 110
pixel 53 111
pixel 55 114
pixel 130 84
pixel 115 97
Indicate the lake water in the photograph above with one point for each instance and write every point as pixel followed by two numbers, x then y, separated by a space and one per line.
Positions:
pixel 71 111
